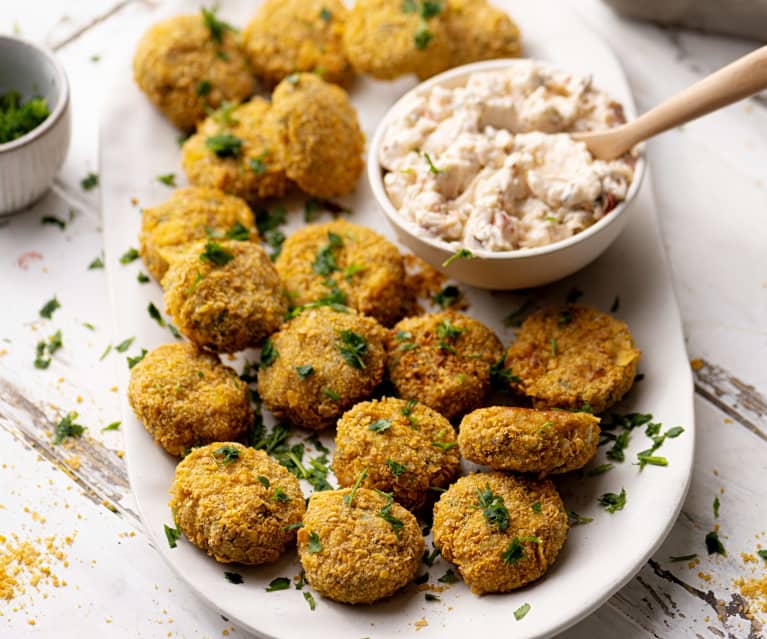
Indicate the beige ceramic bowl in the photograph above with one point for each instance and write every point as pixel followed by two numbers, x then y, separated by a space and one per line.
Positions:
pixel 29 163
pixel 503 270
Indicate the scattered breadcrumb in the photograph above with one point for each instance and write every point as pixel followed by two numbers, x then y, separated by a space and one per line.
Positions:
pixel 696 364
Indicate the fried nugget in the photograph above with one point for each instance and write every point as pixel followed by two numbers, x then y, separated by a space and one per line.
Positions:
pixel 443 360
pixel 190 214
pixel 186 397
pixel 529 441
pixel 360 551
pixel 390 38
pixel 236 503
pixel 186 65
pixel 289 36
pixel 349 263
pixel 479 31
pixel 224 296
pixel 318 129
pixel 501 531
pixel 235 150
pixel 573 357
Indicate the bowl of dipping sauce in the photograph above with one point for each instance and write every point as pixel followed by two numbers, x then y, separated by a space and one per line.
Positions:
pixel 34 121
pixel 478 176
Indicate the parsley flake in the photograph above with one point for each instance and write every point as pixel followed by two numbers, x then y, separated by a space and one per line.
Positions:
pixel 380 425
pixel 314 545
pixel 233 577
pixel 97 262
pixel 216 27
pixel 172 535
pixel 431 597
pixel 53 221
pixel 131 255
pixel 520 612
pixel 224 145
pixel 493 508
pixel 305 371
pixel 396 468
pixel 169 179
pixel 449 577
pixel 578 520
pixel 49 308
pixel 226 454
pixel 447 297
pixel 216 254
pixel 112 426
pixel 89 182
pixel 310 600
pixel 349 497
pixel 714 545
pixel 67 428
pixel 353 348
pixel 460 254
pixel 613 502
pixel 280 583
pixel 386 514
pixel 132 361
pixel 678 558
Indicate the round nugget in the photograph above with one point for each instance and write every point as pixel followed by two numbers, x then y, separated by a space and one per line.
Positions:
pixel 186 397
pixel 443 360
pixel 317 126
pixel 359 552
pixel 190 214
pixel 320 364
pixel 236 503
pixel 236 151
pixel 407 447
pixel 186 67
pixel 573 357
pixel 224 296
pixel 479 31
pixel 385 39
pixel 357 265
pixel 288 36
pixel 529 441
pixel 501 531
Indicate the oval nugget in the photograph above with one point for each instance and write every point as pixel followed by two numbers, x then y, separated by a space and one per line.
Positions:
pixel 361 551
pixel 479 31
pixel 529 441
pixel 236 503
pixel 501 531
pixel 573 357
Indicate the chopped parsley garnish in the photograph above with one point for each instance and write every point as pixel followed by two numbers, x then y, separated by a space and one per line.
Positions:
pixel 401 336
pixel 616 304
pixel 493 508
pixel 142 278
pixel 349 497
pixel 49 308
pixel 226 454
pixel 132 361
pixel 500 376
pixel 89 182
pixel 53 221
pixel 224 145
pixel 565 317
pixel 268 354
pixel 353 348
pixel 447 331
pixel 515 318
pixel 716 505
pixel 124 345
pixel 380 425
pixel 310 600
pixel 331 394
pixel 430 556
pixel 599 470
pixel 216 254
pixel 172 535
pixel 325 14
pixel 131 255
pixel 441 444
pixel 325 264
pixel 714 545
pixel 762 553
pixel 432 168
pixel 448 578
pixel 53 344
pixel 408 411
pixel 216 27
pixel 280 583
pixel 520 612
pixel 314 545
pixel 553 346
pixel 421 579
pixel 239 232
pixel 280 495
pixel 67 428
pixel 431 597
pixel 515 550
pixel 257 164
pixel 613 502
pixel 386 514
pixel 169 179
pixel 396 468
pixel 97 262
pixel 620 443
pixel 537 508
pixel 447 296
pixel 155 314
pixel 460 254
pixel 646 458
pixel 574 295
pixel 264 481
pixel 678 558
pixel 578 520
pixel 17 118
pixel 351 270
pixel 422 36
pixel 204 87
pixel 112 426
pixel 305 370
pixel 233 577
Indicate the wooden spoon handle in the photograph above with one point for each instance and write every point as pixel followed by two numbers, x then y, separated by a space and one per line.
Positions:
pixel 740 79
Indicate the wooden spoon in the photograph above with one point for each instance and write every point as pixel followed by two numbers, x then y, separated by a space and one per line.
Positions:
pixel 740 79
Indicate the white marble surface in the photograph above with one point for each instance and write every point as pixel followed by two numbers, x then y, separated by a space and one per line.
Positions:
pixel 710 179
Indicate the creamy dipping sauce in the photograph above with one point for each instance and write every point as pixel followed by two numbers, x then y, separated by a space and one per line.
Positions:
pixel 490 165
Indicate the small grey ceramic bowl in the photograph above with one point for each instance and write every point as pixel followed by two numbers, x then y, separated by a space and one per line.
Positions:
pixel 500 270
pixel 29 163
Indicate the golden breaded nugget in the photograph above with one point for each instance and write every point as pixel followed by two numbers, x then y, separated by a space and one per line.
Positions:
pixel 479 31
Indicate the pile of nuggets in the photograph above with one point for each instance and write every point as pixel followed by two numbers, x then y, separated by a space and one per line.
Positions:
pixel 337 351
pixel 202 73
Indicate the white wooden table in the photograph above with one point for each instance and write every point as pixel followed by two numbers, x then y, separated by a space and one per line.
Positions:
pixel 74 504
